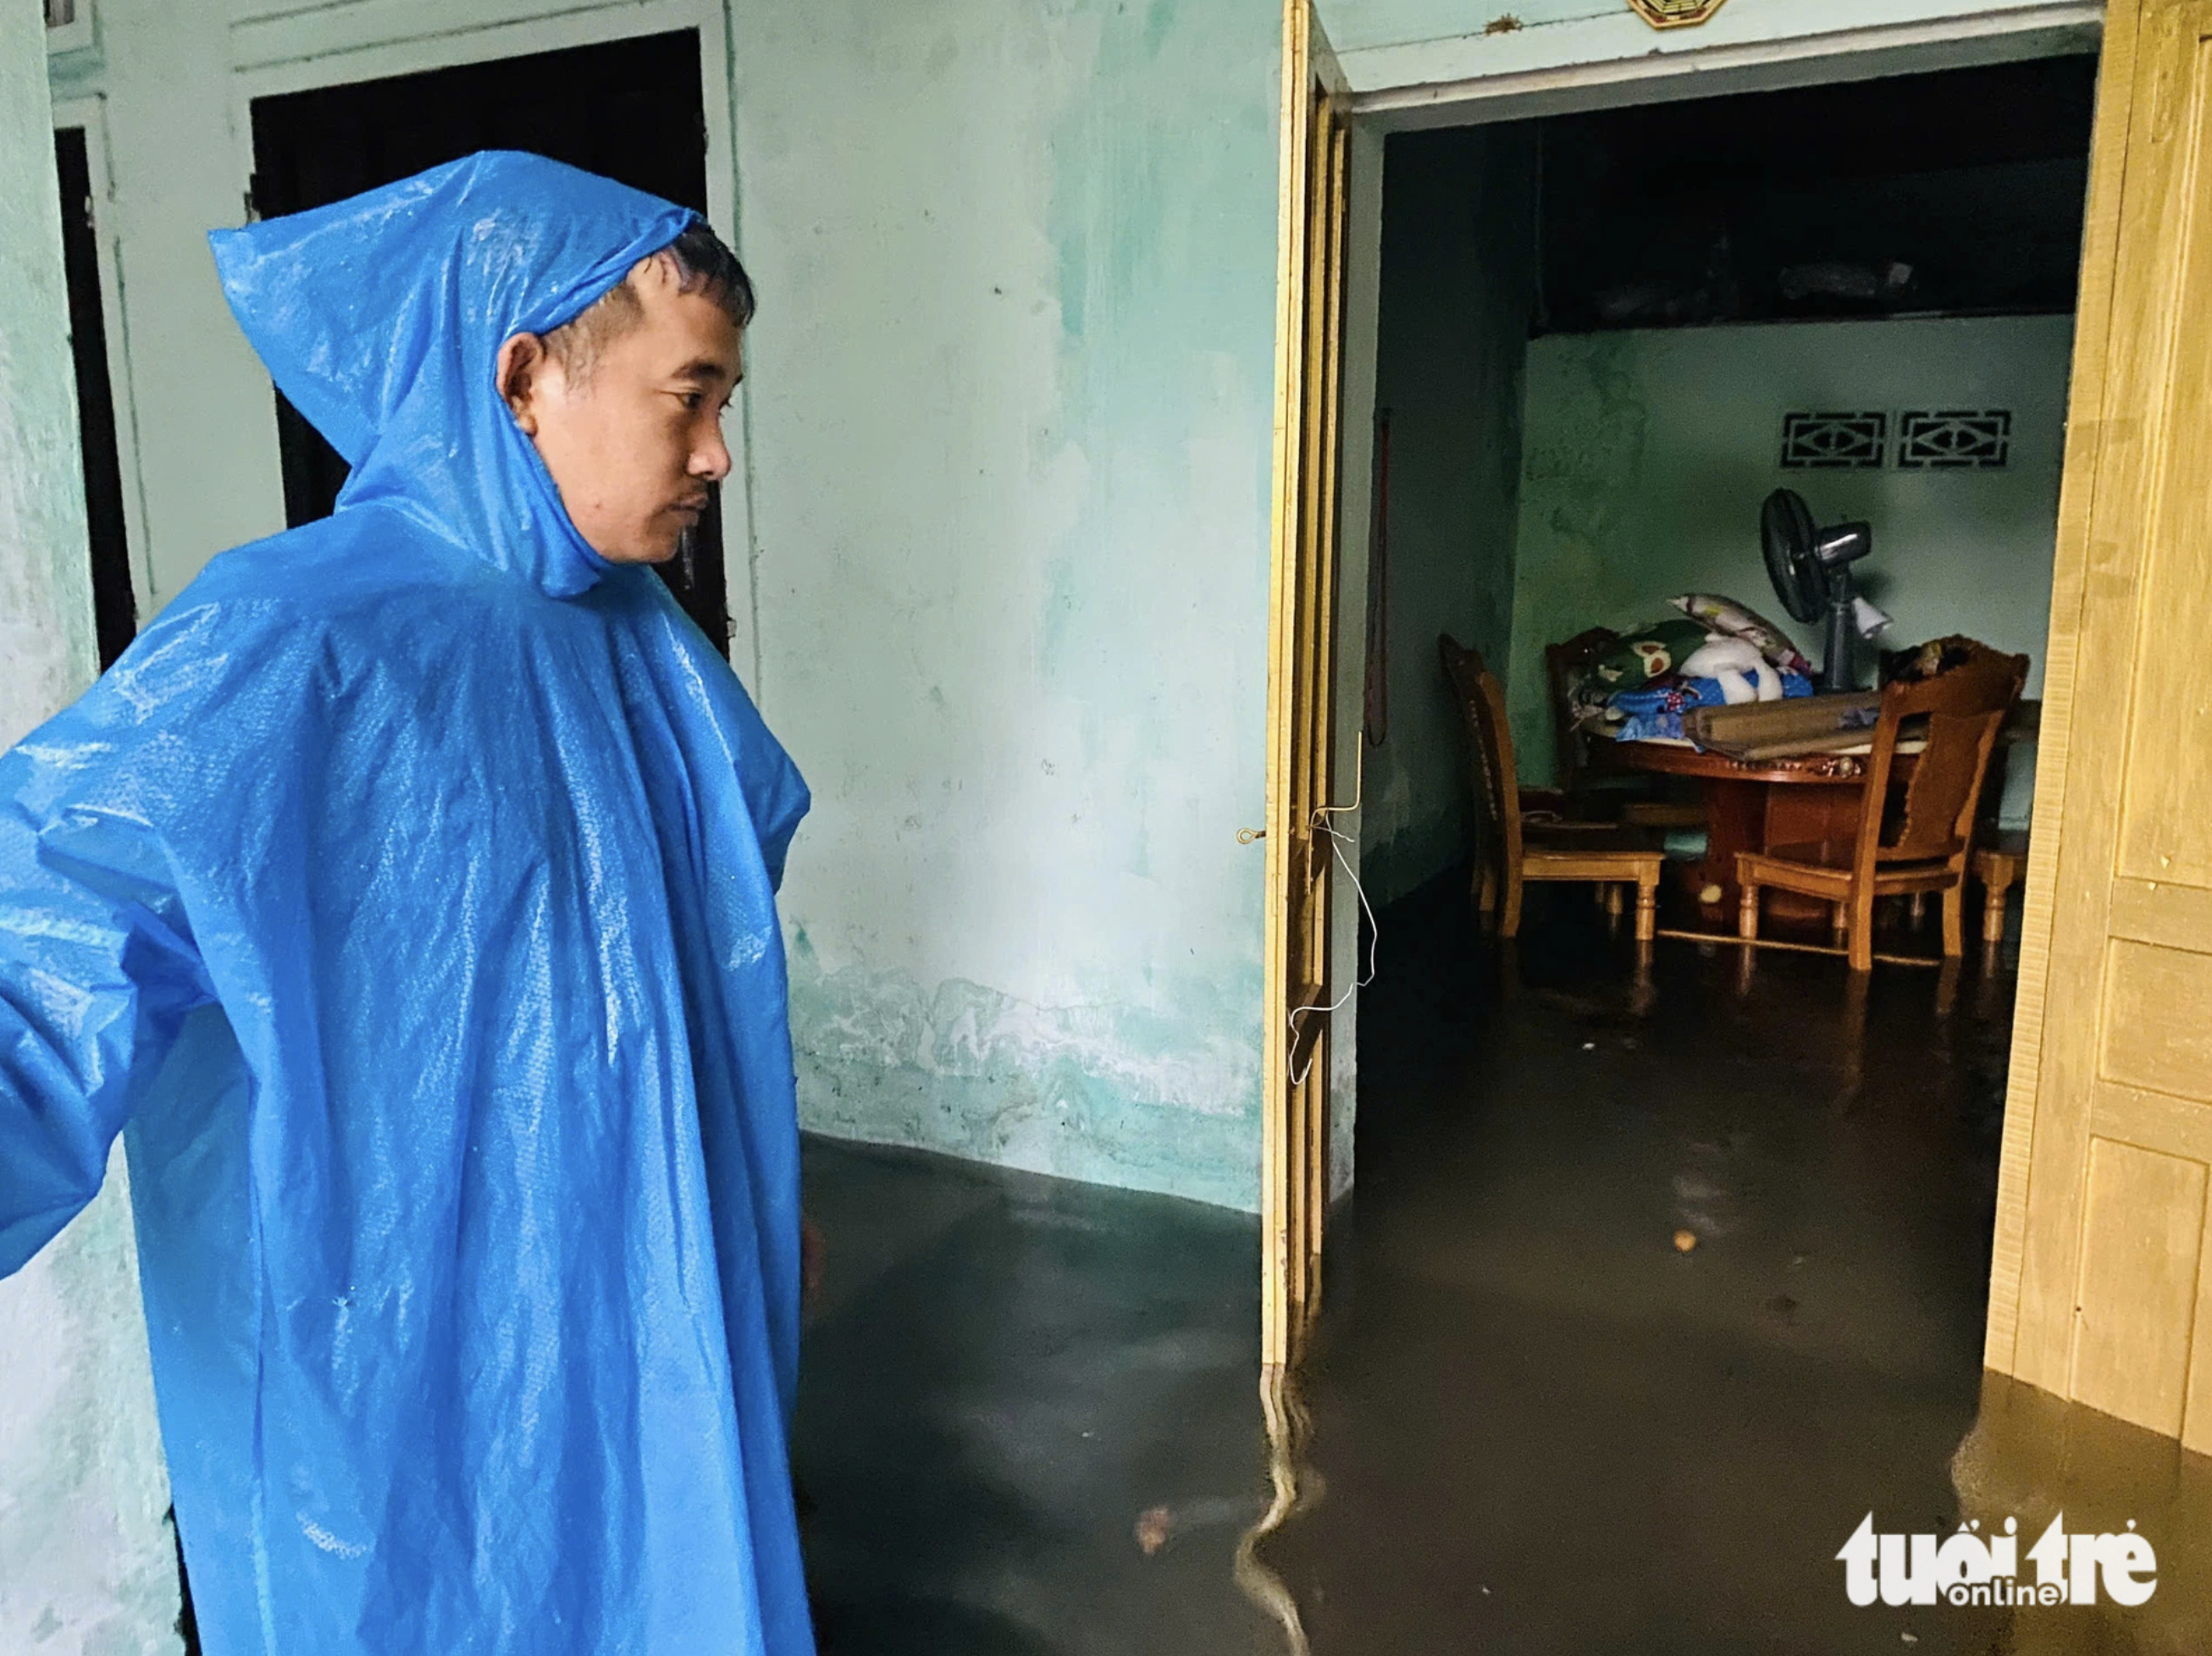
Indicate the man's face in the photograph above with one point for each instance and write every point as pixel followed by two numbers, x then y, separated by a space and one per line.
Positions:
pixel 631 430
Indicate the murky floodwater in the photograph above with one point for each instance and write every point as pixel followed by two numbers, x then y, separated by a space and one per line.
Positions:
pixel 1537 1423
pixel 1531 1422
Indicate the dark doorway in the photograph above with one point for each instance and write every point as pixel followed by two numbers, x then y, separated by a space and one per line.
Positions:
pixel 629 110
pixel 115 610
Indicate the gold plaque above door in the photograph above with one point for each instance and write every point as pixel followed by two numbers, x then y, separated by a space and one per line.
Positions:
pixel 1674 13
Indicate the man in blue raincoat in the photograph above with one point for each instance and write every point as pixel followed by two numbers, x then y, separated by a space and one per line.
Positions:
pixel 404 897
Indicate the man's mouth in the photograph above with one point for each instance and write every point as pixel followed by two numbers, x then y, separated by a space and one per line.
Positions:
pixel 695 507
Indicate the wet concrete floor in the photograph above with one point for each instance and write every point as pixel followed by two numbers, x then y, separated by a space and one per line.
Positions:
pixel 1013 1387
pixel 1030 1420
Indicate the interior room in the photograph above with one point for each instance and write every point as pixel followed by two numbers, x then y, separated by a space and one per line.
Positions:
pixel 1605 339
pixel 1730 1204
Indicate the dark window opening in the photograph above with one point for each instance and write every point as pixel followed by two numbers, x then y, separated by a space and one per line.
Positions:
pixel 115 609
pixel 630 110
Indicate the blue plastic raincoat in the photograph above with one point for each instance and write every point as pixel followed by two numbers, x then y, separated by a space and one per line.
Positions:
pixel 404 896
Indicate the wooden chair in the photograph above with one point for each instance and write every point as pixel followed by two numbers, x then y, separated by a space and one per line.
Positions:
pixel 1564 667
pixel 1590 792
pixel 1998 862
pixel 1513 846
pixel 1933 832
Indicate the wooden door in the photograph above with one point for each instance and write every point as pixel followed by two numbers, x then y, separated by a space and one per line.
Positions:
pixel 2101 1290
pixel 1309 327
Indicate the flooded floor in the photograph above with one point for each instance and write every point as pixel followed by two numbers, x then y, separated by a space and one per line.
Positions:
pixel 1027 1420
pixel 1030 1419
pixel 1655 1286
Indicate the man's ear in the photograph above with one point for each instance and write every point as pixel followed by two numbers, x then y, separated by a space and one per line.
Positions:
pixel 517 373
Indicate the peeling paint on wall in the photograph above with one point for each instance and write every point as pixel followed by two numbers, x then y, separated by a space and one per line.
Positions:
pixel 1136 1096
pixel 1583 468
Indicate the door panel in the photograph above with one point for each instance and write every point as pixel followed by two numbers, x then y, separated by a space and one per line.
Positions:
pixel 2165 832
pixel 2145 1224
pixel 2101 1283
pixel 1301 689
pixel 2158 1018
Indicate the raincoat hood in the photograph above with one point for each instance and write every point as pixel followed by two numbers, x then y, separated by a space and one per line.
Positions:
pixel 380 317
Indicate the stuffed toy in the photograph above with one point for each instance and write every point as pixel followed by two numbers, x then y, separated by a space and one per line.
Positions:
pixel 1736 664
pixel 1649 652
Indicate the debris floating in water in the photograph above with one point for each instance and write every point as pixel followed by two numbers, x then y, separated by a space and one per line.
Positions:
pixel 1684 1240
pixel 1152 1527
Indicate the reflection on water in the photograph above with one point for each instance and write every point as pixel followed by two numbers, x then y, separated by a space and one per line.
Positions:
pixel 2032 1457
pixel 2030 1461
pixel 1296 1486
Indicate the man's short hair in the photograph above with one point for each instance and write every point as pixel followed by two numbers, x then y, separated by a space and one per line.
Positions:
pixel 704 265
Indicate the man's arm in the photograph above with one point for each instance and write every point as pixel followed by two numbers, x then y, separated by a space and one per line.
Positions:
pixel 97 969
pixel 775 794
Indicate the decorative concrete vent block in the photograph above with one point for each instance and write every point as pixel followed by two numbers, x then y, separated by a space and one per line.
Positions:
pixel 1674 13
pixel 1835 442
pixel 1954 440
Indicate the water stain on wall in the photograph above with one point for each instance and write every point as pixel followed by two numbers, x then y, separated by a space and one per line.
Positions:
pixel 1162 1097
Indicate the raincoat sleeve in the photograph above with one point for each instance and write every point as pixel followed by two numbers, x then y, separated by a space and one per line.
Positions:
pixel 97 970
pixel 775 795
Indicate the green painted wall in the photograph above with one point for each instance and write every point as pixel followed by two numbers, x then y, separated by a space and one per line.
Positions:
pixel 1010 416
pixel 1353 25
pixel 85 1565
pixel 1648 454
pixel 1458 281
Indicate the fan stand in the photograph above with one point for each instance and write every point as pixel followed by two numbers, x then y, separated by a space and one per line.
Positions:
pixel 1811 569
pixel 1838 671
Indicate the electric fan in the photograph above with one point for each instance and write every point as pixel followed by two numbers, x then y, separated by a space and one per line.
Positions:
pixel 1811 569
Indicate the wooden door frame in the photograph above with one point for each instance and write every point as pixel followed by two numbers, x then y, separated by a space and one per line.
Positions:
pixel 2069 604
pixel 1302 645
pixel 1470 79
pixel 1286 1303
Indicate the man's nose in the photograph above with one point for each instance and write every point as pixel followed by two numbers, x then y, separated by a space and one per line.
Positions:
pixel 711 458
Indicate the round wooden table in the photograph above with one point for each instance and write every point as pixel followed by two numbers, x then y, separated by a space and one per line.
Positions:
pixel 1756 805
